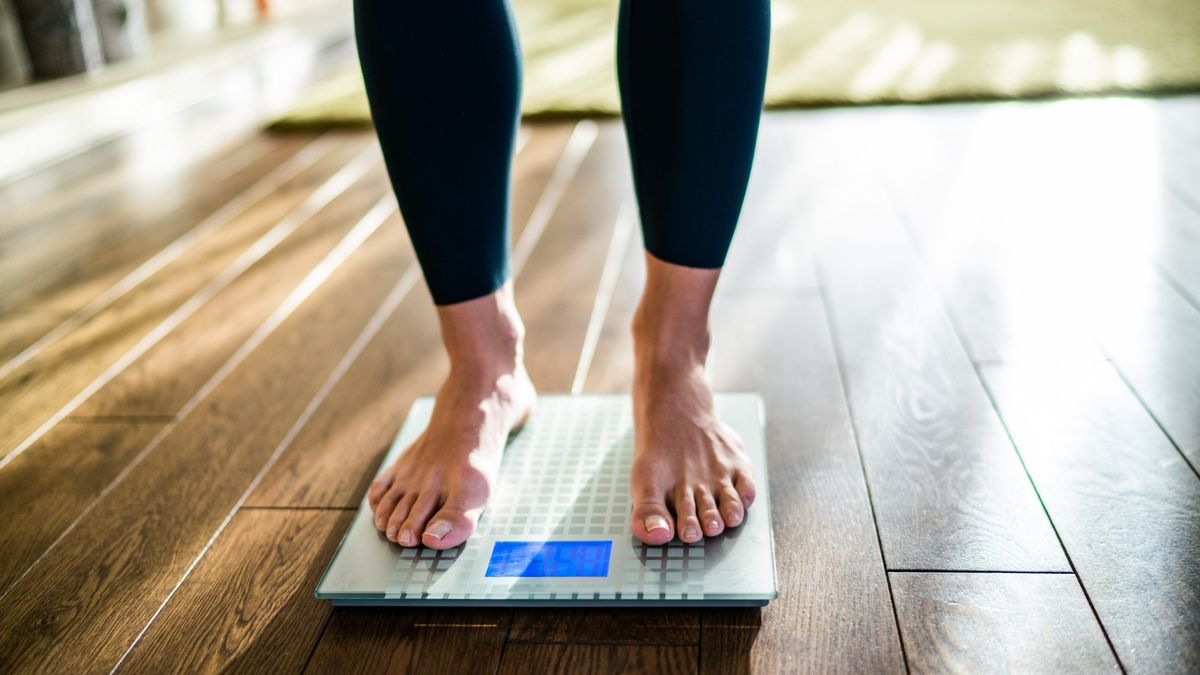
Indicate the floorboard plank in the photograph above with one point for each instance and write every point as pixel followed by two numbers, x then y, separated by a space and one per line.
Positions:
pixel 248 607
pixel 1178 245
pixel 1118 491
pixel 95 591
pixel 606 626
pixel 733 650
pixel 1018 623
pixel 1153 346
pixel 69 255
pixel 170 373
pixel 40 388
pixel 580 658
pixel 948 490
pixel 1048 271
pixel 556 290
pixel 833 610
pixel 434 641
pixel 56 479
pixel 770 252
pixel 19 329
pixel 1124 502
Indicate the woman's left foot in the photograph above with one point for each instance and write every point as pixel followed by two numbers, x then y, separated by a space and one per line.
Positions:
pixel 690 476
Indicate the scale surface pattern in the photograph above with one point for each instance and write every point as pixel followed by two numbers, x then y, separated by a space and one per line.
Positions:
pixel 565 477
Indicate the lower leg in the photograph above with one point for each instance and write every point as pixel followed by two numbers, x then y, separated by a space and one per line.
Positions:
pixel 692 74
pixel 690 476
pixel 443 80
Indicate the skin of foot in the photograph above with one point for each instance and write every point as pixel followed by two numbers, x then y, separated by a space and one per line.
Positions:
pixel 690 476
pixel 436 491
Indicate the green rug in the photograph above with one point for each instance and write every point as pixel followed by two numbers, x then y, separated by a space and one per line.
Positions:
pixel 838 52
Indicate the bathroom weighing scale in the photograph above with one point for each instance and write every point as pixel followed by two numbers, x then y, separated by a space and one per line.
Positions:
pixel 557 531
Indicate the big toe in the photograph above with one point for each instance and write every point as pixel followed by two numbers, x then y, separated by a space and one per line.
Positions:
pixel 449 527
pixel 652 522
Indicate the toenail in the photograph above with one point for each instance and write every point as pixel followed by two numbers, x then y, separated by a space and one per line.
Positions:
pixel 406 537
pixel 734 519
pixel 656 523
pixel 690 533
pixel 391 534
pixel 714 525
pixel 439 529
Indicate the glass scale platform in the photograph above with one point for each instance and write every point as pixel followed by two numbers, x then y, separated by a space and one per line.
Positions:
pixel 557 531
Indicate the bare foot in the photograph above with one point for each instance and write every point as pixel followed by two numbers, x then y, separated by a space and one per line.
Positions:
pixel 436 491
pixel 690 475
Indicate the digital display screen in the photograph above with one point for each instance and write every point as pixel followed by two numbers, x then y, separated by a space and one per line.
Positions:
pixel 550 559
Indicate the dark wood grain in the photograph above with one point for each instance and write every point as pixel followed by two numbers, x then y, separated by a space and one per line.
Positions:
pixel 46 488
pixel 1023 285
pixel 522 658
pixel 94 592
pixel 1124 502
pixel 556 290
pixel 68 256
pixel 1017 623
pixel 607 626
pixel 249 606
pixel 38 389
pixel 833 608
pixel 334 458
pixel 370 641
pixel 948 490
pixel 733 650
pixel 171 372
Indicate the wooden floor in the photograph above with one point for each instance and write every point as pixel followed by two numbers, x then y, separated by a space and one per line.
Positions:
pixel 976 327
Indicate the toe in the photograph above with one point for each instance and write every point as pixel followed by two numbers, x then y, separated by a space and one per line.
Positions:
pixel 408 533
pixel 386 505
pixel 686 523
pixel 652 521
pixel 744 484
pixel 398 516
pixel 706 510
pixel 449 527
pixel 732 510
pixel 379 487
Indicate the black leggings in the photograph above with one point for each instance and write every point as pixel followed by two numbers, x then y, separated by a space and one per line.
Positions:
pixel 444 81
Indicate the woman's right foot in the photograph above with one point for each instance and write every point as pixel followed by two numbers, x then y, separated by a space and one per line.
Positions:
pixel 435 492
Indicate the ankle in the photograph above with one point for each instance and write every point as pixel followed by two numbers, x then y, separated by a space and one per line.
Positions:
pixel 484 336
pixel 667 342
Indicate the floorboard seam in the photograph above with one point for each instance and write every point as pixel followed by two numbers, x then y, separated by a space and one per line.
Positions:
pixel 956 329
pixel 1177 287
pixel 317 643
pixel 224 214
pixel 924 571
pixel 827 310
pixel 321 197
pixel 1146 406
pixel 118 419
pixel 370 222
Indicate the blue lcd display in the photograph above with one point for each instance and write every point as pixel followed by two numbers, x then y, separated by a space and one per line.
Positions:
pixel 550 559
